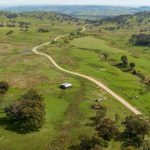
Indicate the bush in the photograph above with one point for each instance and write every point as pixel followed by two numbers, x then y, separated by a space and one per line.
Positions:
pixel 11 25
pixel 3 87
pixel 90 143
pixel 43 30
pixel 132 65
pixel 10 32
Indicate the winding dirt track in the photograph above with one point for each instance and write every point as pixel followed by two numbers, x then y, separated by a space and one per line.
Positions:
pixel 98 83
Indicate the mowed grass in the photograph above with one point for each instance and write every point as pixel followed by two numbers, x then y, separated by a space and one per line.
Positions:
pixel 84 56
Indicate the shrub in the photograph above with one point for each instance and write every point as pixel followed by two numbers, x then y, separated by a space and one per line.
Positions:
pixel 3 87
pixel 43 30
pixel 10 32
pixel 11 25
pixel 124 60
pixel 90 143
pixel 132 65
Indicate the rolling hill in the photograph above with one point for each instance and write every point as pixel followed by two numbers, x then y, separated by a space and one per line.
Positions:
pixel 139 21
pixel 82 11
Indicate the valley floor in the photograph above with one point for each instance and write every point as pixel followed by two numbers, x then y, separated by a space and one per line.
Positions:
pixel 68 112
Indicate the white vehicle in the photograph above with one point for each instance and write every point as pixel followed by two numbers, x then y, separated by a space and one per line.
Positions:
pixel 66 85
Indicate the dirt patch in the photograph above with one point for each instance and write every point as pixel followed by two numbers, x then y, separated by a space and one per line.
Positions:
pixel 26 52
pixel 25 81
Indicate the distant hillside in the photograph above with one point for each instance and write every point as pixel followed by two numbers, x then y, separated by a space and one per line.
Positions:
pixel 139 20
pixel 82 11
pixel 39 15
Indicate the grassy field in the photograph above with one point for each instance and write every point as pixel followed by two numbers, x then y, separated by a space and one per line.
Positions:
pixel 67 111
pixel 85 57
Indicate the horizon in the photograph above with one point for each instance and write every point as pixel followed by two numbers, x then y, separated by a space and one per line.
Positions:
pixel 24 5
pixel 127 3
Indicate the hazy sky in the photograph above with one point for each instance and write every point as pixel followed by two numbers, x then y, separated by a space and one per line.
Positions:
pixel 88 2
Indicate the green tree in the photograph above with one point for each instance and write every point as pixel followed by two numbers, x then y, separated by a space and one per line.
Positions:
pixel 72 34
pixel 92 143
pixel 32 95
pixel 136 125
pixel 132 65
pixel 124 60
pixel 107 129
pixel 27 114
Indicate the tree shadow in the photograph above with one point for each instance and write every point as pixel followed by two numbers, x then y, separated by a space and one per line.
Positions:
pixel 123 68
pixel 119 65
pixel 8 125
pixel 3 122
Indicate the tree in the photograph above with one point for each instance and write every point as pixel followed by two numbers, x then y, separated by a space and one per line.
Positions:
pixel 107 129
pixel 72 34
pixel 32 95
pixel 3 87
pixel 136 141
pixel 27 114
pixel 124 60
pixel 90 143
pixel 132 65
pixel 140 39
pixel 136 127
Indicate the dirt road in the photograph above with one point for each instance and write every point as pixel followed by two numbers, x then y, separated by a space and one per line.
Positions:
pixel 98 83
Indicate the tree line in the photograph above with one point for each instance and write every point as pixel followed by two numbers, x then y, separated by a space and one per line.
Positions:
pixel 140 39
pixel 124 65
